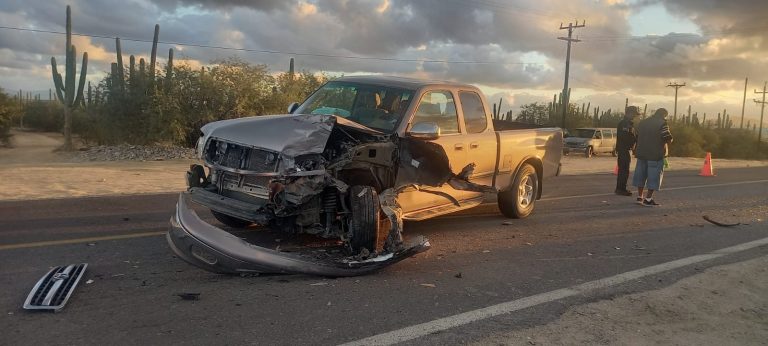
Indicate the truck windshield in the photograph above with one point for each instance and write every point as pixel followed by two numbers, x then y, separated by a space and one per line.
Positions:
pixel 583 133
pixel 374 106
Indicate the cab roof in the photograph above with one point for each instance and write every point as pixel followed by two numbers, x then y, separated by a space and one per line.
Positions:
pixel 401 82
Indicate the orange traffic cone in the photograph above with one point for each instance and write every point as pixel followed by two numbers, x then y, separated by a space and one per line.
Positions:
pixel 616 169
pixel 707 170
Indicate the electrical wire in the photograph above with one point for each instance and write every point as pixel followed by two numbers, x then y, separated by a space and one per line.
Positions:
pixel 266 51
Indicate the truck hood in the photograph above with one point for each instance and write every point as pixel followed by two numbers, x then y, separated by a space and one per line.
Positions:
pixel 289 134
pixel 576 140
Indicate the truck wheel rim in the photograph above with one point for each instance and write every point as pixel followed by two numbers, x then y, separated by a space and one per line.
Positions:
pixel 525 191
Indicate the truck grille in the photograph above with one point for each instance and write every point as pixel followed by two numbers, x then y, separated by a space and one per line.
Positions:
pixel 240 157
pixel 54 289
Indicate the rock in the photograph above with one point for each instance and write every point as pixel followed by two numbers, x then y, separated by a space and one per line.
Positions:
pixel 134 152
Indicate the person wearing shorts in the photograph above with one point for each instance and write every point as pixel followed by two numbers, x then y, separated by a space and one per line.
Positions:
pixel 653 138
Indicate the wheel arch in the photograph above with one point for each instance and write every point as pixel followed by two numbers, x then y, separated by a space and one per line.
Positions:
pixel 537 165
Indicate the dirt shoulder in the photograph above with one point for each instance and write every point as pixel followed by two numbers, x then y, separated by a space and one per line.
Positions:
pixel 34 170
pixel 724 305
pixel 578 164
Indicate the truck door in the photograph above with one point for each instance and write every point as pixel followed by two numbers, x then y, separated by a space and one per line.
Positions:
pixel 438 106
pixel 608 141
pixel 479 136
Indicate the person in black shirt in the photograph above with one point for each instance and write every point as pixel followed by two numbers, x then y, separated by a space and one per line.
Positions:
pixel 626 137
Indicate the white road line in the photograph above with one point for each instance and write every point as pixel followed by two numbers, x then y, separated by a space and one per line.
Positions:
pixel 423 329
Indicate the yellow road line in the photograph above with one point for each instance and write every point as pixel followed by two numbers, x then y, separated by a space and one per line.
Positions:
pixel 79 240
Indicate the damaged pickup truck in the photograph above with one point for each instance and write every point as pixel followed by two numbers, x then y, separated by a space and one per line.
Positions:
pixel 353 161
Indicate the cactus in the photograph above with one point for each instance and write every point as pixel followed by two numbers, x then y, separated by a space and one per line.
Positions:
pixel 494 112
pixel 169 71
pixel 290 69
pixel 132 71
pixel 153 57
pixel 66 92
pixel 120 74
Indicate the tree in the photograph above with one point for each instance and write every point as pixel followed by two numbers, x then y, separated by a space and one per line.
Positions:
pixel 533 113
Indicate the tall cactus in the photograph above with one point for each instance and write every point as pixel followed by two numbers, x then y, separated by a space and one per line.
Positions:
pixel 66 92
pixel 120 74
pixel 169 71
pixel 153 57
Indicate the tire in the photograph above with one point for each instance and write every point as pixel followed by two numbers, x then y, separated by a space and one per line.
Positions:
pixel 364 218
pixel 519 201
pixel 588 152
pixel 230 221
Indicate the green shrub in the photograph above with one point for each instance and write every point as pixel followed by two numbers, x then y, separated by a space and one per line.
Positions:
pixel 44 115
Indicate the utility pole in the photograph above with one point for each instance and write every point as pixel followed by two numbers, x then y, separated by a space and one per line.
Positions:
pixel 743 102
pixel 569 39
pixel 676 86
pixel 762 109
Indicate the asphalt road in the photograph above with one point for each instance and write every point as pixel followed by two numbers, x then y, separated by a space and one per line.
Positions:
pixel 579 232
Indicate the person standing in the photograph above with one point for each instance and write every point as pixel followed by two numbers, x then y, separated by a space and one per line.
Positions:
pixel 653 137
pixel 625 142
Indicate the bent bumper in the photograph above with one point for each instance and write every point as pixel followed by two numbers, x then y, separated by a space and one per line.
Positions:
pixel 216 250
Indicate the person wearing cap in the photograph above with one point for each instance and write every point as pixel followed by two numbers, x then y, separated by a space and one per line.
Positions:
pixel 626 137
pixel 653 138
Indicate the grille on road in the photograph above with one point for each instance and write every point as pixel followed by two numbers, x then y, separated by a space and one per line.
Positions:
pixel 54 289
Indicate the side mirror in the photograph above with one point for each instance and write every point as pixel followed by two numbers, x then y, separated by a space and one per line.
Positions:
pixel 292 107
pixel 426 131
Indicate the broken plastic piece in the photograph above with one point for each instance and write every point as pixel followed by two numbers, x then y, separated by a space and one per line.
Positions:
pixel 189 296
pixel 705 217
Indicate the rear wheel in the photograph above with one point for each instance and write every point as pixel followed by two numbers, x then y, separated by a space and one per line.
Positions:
pixel 518 202
pixel 230 221
pixel 364 218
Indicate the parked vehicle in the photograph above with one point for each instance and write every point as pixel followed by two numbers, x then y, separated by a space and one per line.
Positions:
pixel 590 141
pixel 360 155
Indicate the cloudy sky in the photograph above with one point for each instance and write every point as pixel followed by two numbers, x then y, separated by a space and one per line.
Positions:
pixel 630 48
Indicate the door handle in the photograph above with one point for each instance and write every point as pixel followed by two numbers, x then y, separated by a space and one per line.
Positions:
pixel 458 146
pixel 474 145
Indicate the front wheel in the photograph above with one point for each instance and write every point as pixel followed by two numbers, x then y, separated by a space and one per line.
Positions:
pixel 588 153
pixel 364 218
pixel 518 202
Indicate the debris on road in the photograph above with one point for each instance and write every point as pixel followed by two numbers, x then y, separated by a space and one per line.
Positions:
pixel 705 217
pixel 90 281
pixel 507 223
pixel 319 284
pixel 458 275
pixel 53 290
pixel 428 285
pixel 189 296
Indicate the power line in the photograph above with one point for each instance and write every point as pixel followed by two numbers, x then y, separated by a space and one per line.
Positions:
pixel 266 51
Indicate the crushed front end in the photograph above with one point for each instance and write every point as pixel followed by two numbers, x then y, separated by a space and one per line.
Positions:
pixel 309 174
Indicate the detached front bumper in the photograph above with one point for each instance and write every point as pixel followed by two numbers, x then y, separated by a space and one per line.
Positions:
pixel 216 250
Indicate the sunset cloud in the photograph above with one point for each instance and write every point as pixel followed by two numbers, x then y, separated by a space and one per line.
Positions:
pixel 513 44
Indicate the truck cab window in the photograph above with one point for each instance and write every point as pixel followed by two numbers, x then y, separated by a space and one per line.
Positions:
pixel 474 113
pixel 438 107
